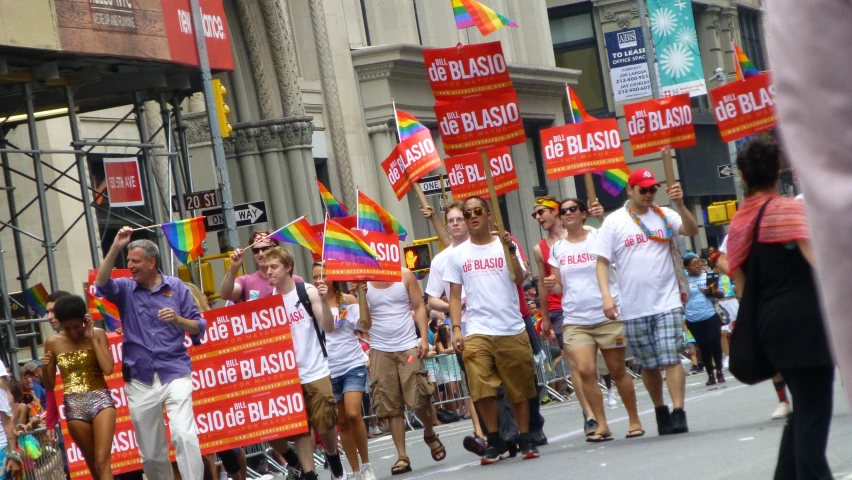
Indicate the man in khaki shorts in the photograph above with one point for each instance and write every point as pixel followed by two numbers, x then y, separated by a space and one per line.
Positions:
pixel 495 347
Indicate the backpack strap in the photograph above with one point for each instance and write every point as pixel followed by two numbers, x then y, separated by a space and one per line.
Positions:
pixel 302 292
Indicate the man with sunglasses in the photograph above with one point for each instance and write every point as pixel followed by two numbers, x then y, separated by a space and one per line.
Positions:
pixel 640 239
pixel 495 345
pixel 254 285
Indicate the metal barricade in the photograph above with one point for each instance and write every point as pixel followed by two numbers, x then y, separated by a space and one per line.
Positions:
pixel 45 462
pixel 450 384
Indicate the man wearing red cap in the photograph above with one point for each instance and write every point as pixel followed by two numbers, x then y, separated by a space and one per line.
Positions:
pixel 640 240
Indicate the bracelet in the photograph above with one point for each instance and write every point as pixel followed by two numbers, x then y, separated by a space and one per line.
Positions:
pixel 456 326
pixel 14 455
pixel 513 249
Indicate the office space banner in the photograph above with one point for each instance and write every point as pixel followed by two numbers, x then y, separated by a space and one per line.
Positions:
pixel 676 43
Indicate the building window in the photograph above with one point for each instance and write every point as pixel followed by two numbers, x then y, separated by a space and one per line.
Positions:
pixel 575 46
pixel 750 33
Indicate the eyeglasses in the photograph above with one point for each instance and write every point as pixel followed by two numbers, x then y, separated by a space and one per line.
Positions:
pixel 571 209
pixel 257 250
pixel 645 191
pixel 539 212
pixel 474 212
pixel 452 221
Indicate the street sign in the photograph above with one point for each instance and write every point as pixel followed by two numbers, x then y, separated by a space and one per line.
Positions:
pixel 197 200
pixel 728 171
pixel 247 214
pixel 431 185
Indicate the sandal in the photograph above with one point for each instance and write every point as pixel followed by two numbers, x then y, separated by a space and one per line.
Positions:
pixel 635 433
pixel 438 453
pixel 599 438
pixel 402 465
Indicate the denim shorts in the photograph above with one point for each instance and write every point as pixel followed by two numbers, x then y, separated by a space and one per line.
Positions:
pixel 355 380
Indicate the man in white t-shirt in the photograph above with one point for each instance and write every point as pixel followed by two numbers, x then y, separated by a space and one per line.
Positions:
pixel 314 374
pixel 638 240
pixel 495 346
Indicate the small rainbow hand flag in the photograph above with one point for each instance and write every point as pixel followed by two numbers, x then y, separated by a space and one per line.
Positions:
pixel 578 112
pixel 112 319
pixel 408 125
pixel 614 181
pixel 745 68
pixel 36 298
pixel 299 232
pixel 470 12
pixel 334 208
pixel 373 218
pixel 339 243
pixel 185 237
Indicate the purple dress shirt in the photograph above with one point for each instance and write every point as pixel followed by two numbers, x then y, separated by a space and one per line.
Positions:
pixel 150 344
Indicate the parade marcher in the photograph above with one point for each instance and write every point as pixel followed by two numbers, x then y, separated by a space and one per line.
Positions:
pixel 546 213
pixel 397 371
pixel 348 366
pixel 310 315
pixel 251 286
pixel 495 346
pixel 640 239
pixel 157 311
pixel 586 328
pixel 48 306
pixel 702 320
pixel 81 353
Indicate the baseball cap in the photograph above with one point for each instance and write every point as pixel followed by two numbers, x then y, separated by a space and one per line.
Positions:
pixel 262 237
pixel 31 366
pixel 642 177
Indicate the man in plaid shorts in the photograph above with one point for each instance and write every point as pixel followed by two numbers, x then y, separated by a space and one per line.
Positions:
pixel 638 239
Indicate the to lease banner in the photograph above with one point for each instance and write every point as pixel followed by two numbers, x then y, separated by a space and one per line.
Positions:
pixel 410 161
pixel 655 124
pixel 467 176
pixel 744 108
pixel 580 148
pixel 466 71
pixel 386 246
pixel 245 384
pixel 482 123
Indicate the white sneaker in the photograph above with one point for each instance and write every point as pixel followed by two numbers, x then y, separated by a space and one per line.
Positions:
pixel 610 395
pixel 783 410
pixel 725 361
pixel 375 431
pixel 355 476
pixel 367 472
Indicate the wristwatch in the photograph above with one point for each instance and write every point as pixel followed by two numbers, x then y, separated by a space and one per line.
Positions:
pixel 513 249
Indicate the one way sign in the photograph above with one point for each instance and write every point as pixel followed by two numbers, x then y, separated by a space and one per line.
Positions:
pixel 247 214
pixel 728 170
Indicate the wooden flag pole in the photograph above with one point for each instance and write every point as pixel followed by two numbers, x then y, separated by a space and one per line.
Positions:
pixel 668 166
pixel 590 188
pixel 495 210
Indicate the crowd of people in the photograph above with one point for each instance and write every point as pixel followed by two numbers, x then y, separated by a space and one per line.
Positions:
pixel 465 348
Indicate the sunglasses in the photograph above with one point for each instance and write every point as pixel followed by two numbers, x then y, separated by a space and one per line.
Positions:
pixel 538 212
pixel 571 209
pixel 257 250
pixel 474 212
pixel 645 191
pixel 452 221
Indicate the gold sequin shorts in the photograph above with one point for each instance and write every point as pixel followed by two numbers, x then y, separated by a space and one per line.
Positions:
pixel 86 406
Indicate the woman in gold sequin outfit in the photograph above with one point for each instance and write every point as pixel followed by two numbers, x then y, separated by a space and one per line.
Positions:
pixel 82 354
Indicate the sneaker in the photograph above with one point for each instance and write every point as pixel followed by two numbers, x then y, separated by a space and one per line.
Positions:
pixel 528 450
pixel 782 411
pixel 679 421
pixel 720 377
pixel 375 432
pixel 309 476
pixel 695 370
pixel 539 439
pixel 711 380
pixel 726 361
pixel 337 471
pixel 416 423
pixel 664 420
pixel 293 473
pixel 590 427
pixel 513 448
pixel 355 476
pixel 497 450
pixel 367 472
pixel 474 445
pixel 611 401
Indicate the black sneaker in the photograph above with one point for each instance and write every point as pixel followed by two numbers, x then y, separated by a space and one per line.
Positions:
pixel 512 445
pixel 590 427
pixel 679 421
pixel 335 464
pixel 309 476
pixel 664 420
pixel 496 451
pixel 539 439
pixel 474 445
pixel 528 450
pixel 415 422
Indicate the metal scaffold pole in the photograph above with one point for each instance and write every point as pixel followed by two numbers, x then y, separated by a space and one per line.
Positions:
pixel 84 183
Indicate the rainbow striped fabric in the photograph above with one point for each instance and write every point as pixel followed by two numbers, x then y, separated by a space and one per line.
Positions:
pixel 112 319
pixel 373 218
pixel 185 237
pixel 578 112
pixel 299 232
pixel 615 180
pixel 334 208
pixel 341 244
pixel 745 68
pixel 470 12
pixel 408 125
pixel 36 298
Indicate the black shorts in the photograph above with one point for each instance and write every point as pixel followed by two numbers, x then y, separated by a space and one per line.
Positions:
pixel 230 460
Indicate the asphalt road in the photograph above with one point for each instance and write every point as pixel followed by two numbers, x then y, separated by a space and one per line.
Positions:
pixel 731 435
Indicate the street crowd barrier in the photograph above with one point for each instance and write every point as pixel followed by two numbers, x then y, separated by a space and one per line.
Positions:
pixel 43 460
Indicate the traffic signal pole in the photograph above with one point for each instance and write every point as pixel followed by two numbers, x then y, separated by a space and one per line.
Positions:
pixel 231 237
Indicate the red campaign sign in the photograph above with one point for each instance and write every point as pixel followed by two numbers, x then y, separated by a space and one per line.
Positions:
pixel 245 384
pixel 745 107
pixel 483 123
pixel 467 177
pixel 123 182
pixel 179 29
pixel 410 161
pixel 655 124
pixel 386 246
pixel 580 148
pixel 466 71
pixel 93 273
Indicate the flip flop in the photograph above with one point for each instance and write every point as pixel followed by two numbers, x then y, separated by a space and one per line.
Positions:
pixel 635 433
pixel 598 438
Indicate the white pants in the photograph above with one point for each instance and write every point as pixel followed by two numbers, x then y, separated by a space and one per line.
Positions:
pixel 146 413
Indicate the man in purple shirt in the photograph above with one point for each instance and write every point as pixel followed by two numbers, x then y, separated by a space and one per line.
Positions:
pixel 156 313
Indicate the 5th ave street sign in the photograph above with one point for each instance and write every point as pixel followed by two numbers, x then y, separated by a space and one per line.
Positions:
pixel 247 214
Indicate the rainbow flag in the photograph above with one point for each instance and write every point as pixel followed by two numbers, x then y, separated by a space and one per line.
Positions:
pixel 578 112
pixel 373 218
pixel 36 298
pixel 299 232
pixel 745 68
pixel 339 243
pixel 407 124
pixel 185 237
pixel 614 181
pixel 470 12
pixel 334 208
pixel 109 312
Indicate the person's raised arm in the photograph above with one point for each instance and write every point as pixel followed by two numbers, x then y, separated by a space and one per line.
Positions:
pixel 689 226
pixel 101 344
pixel 440 228
pixel 610 309
pixel 455 316
pixel 319 303
pixel 122 238
pixel 230 289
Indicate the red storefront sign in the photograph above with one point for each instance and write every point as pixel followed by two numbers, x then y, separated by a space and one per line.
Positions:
pixel 410 161
pixel 655 124
pixel 744 108
pixel 482 123
pixel 580 148
pixel 466 71
pixel 386 246
pixel 123 182
pixel 467 176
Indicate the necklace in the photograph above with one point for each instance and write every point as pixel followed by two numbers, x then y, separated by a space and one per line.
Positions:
pixel 645 230
pixel 341 311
